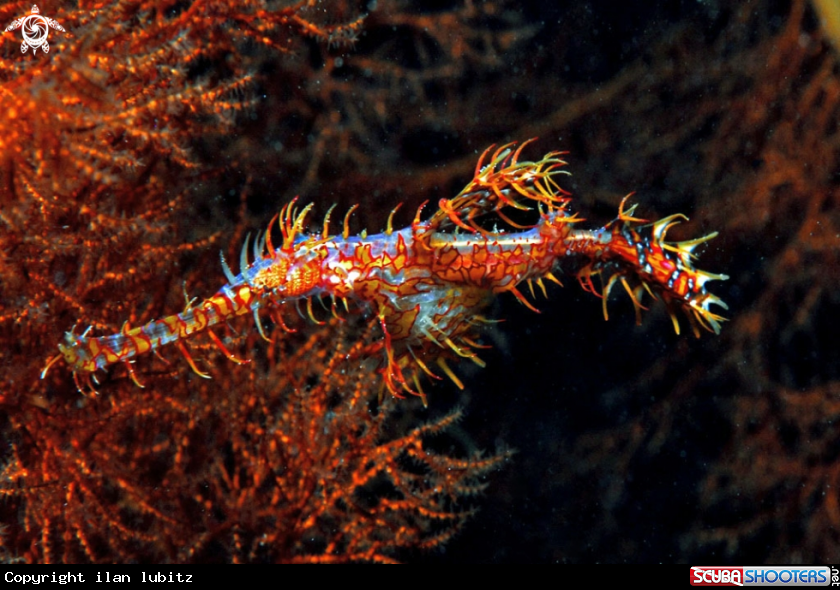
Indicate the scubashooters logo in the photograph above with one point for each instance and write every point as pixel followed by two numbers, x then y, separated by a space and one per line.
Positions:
pixel 717 576
pixel 35 29
pixel 761 576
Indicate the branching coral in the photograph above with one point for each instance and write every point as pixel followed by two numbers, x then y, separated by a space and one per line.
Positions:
pixel 101 171
pixel 301 463
pixel 97 139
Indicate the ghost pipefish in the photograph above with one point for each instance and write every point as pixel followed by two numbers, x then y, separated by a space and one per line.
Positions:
pixel 428 283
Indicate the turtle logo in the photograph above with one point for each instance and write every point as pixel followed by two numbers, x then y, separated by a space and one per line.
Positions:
pixel 35 30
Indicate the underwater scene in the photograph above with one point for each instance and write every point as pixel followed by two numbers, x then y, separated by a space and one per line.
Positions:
pixel 443 281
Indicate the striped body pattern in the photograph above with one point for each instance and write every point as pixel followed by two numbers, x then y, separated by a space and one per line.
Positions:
pixel 428 283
